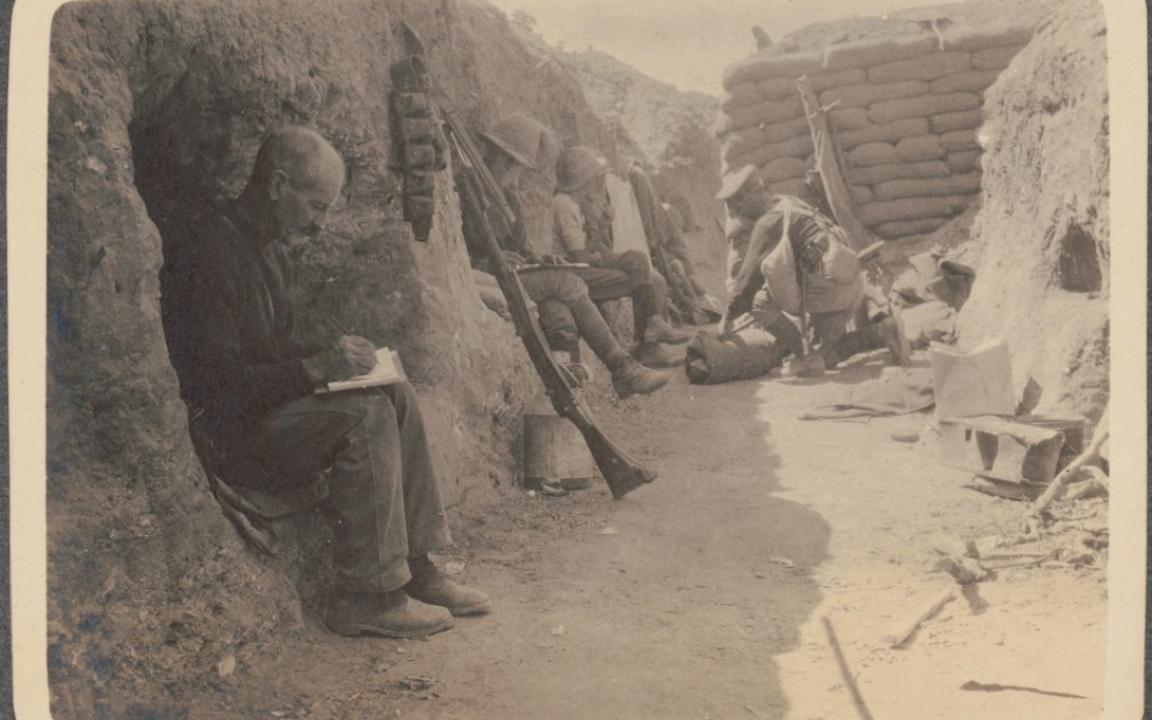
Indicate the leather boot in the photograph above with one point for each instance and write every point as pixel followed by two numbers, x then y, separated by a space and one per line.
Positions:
pixel 655 355
pixel 804 367
pixel 853 343
pixel 787 336
pixel 891 333
pixel 631 378
pixel 596 333
pixel 389 614
pixel 644 308
pixel 888 333
pixel 429 586
pixel 789 340
pixel 659 330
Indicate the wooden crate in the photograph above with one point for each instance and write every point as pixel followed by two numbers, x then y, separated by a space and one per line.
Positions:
pixel 1027 449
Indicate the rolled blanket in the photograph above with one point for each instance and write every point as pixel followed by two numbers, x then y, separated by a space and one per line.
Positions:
pixel 710 360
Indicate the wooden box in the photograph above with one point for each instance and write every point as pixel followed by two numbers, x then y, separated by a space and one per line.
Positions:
pixel 1026 449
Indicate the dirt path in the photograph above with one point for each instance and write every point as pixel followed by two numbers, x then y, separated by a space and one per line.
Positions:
pixel 701 596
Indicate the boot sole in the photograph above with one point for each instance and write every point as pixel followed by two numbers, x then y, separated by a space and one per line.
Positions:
pixel 629 393
pixel 480 609
pixel 358 630
pixel 670 363
pixel 673 341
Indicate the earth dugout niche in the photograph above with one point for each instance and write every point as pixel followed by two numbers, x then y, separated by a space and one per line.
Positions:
pixel 156 110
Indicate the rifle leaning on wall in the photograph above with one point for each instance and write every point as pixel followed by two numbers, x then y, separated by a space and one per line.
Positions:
pixel 480 193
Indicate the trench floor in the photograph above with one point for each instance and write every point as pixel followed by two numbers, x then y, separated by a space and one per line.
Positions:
pixel 703 595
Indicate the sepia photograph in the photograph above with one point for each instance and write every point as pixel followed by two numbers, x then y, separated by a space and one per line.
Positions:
pixel 542 359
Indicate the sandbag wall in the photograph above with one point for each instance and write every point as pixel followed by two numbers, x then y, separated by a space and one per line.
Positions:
pixel 906 111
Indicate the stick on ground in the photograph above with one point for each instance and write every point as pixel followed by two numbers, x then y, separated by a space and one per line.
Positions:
pixel 845 673
pixel 900 633
pixel 1092 452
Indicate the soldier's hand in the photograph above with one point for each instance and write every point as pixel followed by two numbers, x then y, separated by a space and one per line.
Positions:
pixel 726 323
pixel 513 259
pixel 328 366
pixel 358 353
pixel 586 256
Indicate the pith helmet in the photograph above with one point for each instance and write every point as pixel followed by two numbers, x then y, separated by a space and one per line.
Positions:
pixel 577 166
pixel 735 182
pixel 520 137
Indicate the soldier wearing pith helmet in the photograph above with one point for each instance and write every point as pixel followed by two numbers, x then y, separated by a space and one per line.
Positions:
pixel 745 197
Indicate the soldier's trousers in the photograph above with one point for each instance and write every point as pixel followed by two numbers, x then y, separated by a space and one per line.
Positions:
pixel 382 485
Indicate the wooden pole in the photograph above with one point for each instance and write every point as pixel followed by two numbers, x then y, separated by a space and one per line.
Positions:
pixel 830 163
pixel 845 673
pixel 1090 453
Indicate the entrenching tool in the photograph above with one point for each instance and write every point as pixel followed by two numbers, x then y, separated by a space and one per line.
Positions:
pixel 481 194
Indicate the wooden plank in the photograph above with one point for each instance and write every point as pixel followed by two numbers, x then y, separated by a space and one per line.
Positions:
pixel 998 488
pixel 1001 448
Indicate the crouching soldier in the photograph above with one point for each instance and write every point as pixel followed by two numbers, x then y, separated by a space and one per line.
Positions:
pixel 249 384
pixel 798 262
pixel 745 199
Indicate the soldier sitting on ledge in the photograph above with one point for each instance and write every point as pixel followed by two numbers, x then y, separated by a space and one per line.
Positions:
pixel 567 312
pixel 249 385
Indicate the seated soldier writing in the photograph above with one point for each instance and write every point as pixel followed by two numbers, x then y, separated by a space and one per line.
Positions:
pixel 249 383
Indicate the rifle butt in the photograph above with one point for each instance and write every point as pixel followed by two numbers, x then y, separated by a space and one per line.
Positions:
pixel 621 473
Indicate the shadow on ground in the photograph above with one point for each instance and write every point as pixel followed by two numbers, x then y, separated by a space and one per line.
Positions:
pixel 673 602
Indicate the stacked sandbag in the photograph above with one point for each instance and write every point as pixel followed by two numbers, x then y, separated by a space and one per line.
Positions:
pixel 906 111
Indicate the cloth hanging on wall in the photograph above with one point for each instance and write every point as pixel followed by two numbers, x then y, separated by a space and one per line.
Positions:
pixel 627 226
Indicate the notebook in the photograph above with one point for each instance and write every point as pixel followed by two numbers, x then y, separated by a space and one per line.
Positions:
pixel 388 371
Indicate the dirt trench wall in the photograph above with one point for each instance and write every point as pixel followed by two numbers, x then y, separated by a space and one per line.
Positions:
pixel 1043 276
pixel 155 109
pixel 907 108
pixel 668 130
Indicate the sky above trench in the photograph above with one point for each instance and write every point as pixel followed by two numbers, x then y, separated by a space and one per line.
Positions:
pixel 687 43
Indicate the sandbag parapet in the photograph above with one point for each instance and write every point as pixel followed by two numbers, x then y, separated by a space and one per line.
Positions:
pixel 906 110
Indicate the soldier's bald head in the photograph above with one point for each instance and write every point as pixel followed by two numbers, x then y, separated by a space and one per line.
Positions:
pixel 296 179
pixel 302 154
